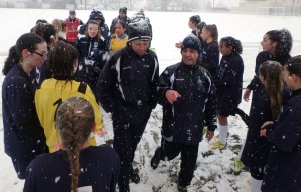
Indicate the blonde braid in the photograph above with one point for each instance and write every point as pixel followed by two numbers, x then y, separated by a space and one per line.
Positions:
pixel 74 122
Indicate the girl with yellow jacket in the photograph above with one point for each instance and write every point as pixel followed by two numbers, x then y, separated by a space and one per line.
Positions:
pixel 63 62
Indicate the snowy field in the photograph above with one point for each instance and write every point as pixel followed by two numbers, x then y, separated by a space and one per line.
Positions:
pixel 213 167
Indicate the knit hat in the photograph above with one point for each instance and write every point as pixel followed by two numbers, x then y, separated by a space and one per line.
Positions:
pixel 138 28
pixel 192 42
pixel 96 14
pixel 123 10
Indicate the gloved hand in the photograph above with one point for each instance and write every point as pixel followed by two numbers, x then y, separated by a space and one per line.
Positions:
pixel 88 62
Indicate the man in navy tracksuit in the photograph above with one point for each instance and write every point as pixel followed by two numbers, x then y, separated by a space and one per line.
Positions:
pixel 127 89
pixel 187 95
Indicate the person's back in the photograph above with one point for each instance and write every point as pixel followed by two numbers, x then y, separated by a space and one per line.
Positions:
pixel 49 96
pixel 53 91
pixel 77 166
pixel 99 171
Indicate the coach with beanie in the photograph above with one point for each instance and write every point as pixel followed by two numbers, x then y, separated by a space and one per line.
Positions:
pixel 122 16
pixel 127 88
pixel 187 95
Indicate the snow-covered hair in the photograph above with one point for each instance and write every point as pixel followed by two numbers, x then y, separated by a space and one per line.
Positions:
pixel 284 41
pixel 138 28
pixel 74 122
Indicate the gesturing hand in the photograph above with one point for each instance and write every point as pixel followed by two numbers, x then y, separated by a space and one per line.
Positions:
pixel 247 94
pixel 172 96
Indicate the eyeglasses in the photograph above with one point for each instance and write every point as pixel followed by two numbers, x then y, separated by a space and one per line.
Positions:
pixel 40 54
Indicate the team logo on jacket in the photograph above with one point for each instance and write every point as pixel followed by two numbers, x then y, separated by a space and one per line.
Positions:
pixel 128 67
pixel 95 45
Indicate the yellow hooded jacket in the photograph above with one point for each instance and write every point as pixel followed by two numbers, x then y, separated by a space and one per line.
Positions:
pixel 117 43
pixel 50 95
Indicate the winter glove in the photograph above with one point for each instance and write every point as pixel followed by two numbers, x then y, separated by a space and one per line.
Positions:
pixel 88 62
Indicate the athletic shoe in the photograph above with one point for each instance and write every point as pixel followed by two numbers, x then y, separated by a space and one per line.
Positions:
pixel 182 189
pixel 237 165
pixel 134 175
pixel 217 145
pixel 156 159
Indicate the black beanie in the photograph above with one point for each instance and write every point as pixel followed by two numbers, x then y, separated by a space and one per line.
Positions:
pixel 138 28
pixel 123 10
pixel 192 42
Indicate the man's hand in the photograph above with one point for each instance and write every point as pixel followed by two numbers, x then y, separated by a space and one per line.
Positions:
pixel 172 96
pixel 179 45
pixel 209 135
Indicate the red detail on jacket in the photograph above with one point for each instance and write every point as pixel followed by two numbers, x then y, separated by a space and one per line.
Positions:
pixel 71 34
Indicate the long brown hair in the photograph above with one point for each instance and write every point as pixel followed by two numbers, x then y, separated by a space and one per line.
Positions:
pixel 74 122
pixel 61 59
pixel 271 71
pixel 27 41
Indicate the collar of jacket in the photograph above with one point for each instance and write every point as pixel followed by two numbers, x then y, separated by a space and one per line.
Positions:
pixel 296 92
pixel 72 20
pixel 135 54
pixel 62 77
pixel 189 66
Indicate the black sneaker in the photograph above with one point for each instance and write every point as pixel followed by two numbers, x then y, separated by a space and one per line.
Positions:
pixel 134 175
pixel 156 158
pixel 182 189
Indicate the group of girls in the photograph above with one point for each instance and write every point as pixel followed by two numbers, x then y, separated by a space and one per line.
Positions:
pixel 32 125
pixel 273 141
pixel 226 73
pixel 26 114
pixel 272 144
pixel 93 50
pixel 42 67
pixel 272 149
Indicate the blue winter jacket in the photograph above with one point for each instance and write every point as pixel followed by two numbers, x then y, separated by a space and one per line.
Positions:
pixel 127 85
pixel 256 86
pixel 210 58
pixel 23 134
pixel 230 80
pixel 283 171
pixel 196 108
pixel 99 171
pixel 91 60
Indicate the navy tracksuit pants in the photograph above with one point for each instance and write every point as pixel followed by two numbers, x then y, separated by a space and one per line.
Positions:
pixel 189 154
pixel 126 138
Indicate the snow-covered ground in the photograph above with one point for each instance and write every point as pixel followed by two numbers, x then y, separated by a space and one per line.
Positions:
pixel 213 167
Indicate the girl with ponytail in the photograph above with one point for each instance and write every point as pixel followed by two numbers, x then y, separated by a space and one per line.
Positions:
pixel 78 165
pixel 63 64
pixel 228 85
pixel 23 135
pixel 283 170
pixel 256 149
